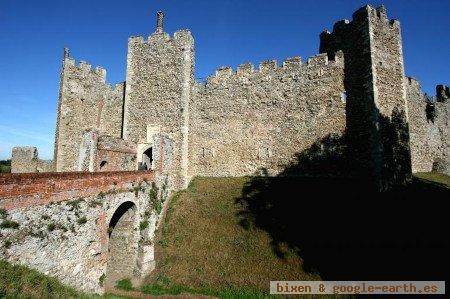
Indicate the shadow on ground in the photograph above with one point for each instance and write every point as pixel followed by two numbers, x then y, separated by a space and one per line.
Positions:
pixel 344 231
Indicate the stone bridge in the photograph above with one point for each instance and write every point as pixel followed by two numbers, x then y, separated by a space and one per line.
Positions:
pixel 87 229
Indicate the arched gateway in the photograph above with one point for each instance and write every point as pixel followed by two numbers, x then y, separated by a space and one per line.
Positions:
pixel 123 244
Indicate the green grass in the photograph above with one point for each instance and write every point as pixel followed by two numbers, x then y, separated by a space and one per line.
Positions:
pixel 157 289
pixel 21 282
pixel 203 248
pixel 125 284
pixel 164 286
pixel 435 178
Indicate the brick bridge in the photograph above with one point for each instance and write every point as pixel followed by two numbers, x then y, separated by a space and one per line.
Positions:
pixel 86 229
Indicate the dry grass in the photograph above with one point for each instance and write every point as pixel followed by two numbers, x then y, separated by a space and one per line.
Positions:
pixel 436 178
pixel 203 245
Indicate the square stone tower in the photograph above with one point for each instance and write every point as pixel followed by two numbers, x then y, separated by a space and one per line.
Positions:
pixel 377 117
pixel 159 81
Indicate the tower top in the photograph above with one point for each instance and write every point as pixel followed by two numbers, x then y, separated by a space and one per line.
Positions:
pixel 66 52
pixel 159 22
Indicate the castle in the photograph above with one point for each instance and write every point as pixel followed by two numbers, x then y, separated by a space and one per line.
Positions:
pixel 350 101
pixel 349 112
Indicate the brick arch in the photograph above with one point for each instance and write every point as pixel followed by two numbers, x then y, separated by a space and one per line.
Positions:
pixel 123 243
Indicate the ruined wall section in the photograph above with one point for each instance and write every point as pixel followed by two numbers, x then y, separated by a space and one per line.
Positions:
pixel 160 75
pixel 377 128
pixel 86 102
pixel 62 223
pixel 249 119
pixel 26 160
pixel 429 125
pixel 115 154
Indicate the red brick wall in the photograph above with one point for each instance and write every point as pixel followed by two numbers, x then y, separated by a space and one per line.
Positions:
pixel 28 189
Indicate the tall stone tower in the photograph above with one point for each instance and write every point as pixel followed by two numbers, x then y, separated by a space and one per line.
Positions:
pixel 86 102
pixel 159 81
pixel 377 118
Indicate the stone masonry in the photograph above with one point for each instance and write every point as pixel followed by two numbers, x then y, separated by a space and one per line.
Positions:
pixel 354 93
pixel 89 218
pixel 71 225
pixel 26 160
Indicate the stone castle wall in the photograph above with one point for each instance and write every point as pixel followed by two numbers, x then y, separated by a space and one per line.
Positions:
pixel 105 153
pixel 429 125
pixel 249 119
pixel 353 93
pixel 160 76
pixel 390 99
pixel 63 224
pixel 377 128
pixel 115 154
pixel 86 102
pixel 26 160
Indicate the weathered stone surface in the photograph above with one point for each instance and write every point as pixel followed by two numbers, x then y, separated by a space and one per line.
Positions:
pixel 377 125
pixel 86 102
pixel 245 120
pixel 429 132
pixel 354 92
pixel 72 234
pixel 25 159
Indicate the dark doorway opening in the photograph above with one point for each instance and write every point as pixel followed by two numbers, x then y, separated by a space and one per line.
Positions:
pixel 147 159
pixel 122 244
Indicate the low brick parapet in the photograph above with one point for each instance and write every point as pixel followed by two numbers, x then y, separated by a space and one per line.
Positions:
pixel 27 189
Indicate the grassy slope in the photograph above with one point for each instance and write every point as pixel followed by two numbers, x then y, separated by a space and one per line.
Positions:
pixel 18 281
pixel 203 248
pixel 435 178
pixel 202 244
pixel 21 282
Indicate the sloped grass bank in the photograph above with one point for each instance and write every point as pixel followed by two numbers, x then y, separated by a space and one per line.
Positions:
pixel 434 178
pixel 229 237
pixel 205 247
pixel 21 282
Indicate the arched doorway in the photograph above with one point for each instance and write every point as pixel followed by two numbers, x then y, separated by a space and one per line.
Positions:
pixel 122 246
pixel 146 159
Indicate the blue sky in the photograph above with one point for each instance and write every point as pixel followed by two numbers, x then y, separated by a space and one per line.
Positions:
pixel 227 32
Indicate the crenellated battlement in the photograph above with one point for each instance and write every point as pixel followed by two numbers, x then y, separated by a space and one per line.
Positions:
pixel 411 81
pixel 268 66
pixel 245 69
pixel 179 37
pixel 224 72
pixel 377 14
pixel 271 67
pixel 85 68
pixel 319 59
pixel 309 96
pixel 292 63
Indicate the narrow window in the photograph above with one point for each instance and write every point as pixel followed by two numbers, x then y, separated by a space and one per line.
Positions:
pixel 103 164
pixel 344 97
